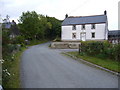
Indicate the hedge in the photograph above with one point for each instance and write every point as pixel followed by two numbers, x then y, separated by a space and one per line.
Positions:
pixel 102 49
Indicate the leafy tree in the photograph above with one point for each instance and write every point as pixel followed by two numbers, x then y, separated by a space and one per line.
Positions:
pixel 29 24
pixel 37 26
pixel 43 27
pixel 56 27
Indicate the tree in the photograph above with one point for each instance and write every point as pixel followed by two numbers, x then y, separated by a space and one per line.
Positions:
pixel 37 26
pixel 43 27
pixel 56 27
pixel 29 24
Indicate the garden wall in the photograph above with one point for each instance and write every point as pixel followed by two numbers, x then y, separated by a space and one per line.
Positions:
pixel 65 45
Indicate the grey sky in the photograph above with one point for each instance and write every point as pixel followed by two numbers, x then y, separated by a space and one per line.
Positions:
pixel 58 8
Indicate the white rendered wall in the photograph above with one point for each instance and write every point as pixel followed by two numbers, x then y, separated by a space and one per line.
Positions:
pixel 99 30
pixel 66 33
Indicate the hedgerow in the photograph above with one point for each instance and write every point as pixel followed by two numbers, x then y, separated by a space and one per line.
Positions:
pixel 101 49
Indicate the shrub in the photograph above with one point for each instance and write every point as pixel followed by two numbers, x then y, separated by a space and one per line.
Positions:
pixel 18 40
pixel 117 52
pixel 92 47
pixel 101 49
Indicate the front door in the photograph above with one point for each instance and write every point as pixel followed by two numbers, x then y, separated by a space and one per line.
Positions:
pixel 83 36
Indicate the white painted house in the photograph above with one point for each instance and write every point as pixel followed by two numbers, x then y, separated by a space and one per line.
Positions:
pixel 84 28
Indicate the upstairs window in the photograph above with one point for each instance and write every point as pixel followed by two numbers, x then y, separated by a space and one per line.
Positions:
pixel 92 26
pixel 93 35
pixel 74 27
pixel 83 27
pixel 73 35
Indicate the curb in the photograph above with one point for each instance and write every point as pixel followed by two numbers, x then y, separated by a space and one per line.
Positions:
pixel 105 69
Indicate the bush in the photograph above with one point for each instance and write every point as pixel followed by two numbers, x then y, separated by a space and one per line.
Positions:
pixel 117 52
pixel 18 40
pixel 101 49
pixel 92 47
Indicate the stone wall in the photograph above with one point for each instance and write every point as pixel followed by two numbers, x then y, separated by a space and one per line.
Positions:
pixel 65 45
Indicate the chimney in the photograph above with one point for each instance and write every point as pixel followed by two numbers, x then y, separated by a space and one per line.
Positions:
pixel 66 16
pixel 105 12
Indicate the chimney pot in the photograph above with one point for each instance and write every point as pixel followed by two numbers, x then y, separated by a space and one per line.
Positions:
pixel 105 12
pixel 66 16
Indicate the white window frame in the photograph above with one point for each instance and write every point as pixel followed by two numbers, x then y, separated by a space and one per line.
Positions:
pixel 83 27
pixel 93 26
pixel 74 27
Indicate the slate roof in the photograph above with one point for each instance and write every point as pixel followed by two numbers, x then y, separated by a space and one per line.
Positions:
pixel 114 32
pixel 84 20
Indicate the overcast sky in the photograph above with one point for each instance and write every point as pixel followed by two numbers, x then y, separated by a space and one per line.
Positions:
pixel 58 8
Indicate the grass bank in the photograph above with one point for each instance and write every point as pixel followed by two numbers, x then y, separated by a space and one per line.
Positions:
pixel 12 71
pixel 106 63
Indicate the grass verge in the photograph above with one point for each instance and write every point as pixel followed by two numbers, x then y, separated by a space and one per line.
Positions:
pixel 106 63
pixel 13 77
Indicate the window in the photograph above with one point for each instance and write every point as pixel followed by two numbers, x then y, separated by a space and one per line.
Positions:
pixel 74 27
pixel 92 26
pixel 73 35
pixel 93 35
pixel 83 27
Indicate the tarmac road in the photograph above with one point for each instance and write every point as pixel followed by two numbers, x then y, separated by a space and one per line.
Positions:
pixel 42 67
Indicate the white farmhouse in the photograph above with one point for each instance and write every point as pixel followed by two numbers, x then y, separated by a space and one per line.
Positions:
pixel 84 28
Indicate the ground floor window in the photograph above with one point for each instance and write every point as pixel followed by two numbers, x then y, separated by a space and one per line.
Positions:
pixel 93 34
pixel 73 35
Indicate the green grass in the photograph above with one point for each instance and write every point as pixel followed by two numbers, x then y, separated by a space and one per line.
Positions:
pixel 14 70
pixel 106 63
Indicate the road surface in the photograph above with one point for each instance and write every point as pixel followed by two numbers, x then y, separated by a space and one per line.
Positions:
pixel 42 67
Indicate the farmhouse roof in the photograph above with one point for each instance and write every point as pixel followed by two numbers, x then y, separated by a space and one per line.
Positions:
pixel 72 20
